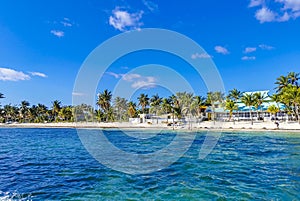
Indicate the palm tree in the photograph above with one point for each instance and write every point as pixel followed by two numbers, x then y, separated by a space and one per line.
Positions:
pixel 11 112
pixel 166 106
pixel 104 101
pixel 198 104
pixel 176 109
pixel 282 82
pixel 143 102
pixel 214 98
pixel 185 100
pixel 277 99
pixel 1 95
pixel 230 105
pixel 120 106
pixel 155 102
pixel 291 98
pixel 293 78
pixel 56 107
pixel 131 109
pixel 24 110
pixel 259 99
pixel 66 113
pixel 248 100
pixel 273 110
pixel 41 112
pixel 32 114
pixel 235 95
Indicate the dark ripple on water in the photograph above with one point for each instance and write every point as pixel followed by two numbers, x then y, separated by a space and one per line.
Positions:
pixel 51 164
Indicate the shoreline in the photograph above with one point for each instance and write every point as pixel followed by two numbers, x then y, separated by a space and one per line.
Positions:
pixel 203 126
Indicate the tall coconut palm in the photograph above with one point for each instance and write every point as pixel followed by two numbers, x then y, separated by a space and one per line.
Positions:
pixel 23 110
pixel 249 101
pixel 32 114
pixel 186 104
pixel 277 99
pixel 185 100
pixel 1 96
pixel 291 97
pixel 104 101
pixel 143 102
pixel 230 105
pixel 155 102
pixel 166 106
pixel 282 82
pixel 56 107
pixel 198 104
pixel 41 112
pixel 131 109
pixel 176 109
pixel 293 78
pixel 120 106
pixel 235 95
pixel 214 98
pixel 11 112
pixel 260 98
pixel 66 113
pixel 273 110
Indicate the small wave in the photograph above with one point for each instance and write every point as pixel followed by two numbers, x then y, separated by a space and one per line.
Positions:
pixel 14 196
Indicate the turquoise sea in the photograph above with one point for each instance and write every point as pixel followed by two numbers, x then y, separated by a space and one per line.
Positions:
pixel 52 164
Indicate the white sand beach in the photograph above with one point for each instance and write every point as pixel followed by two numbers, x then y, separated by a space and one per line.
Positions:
pixel 206 125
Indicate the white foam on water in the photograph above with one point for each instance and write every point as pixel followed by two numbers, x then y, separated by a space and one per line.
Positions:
pixel 13 196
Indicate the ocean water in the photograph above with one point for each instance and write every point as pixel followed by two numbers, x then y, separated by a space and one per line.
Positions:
pixel 52 164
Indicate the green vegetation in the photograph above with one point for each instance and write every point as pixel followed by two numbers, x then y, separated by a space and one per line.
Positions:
pixel 180 105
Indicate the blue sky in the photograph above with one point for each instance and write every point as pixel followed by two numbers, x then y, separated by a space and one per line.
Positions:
pixel 44 43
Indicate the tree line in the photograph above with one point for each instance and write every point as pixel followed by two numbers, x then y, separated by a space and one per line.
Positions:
pixel 179 105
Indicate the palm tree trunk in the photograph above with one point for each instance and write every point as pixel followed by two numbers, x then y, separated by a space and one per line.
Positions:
pixel 173 119
pixel 251 117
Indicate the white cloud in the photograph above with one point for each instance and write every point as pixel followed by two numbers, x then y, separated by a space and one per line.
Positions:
pixel 293 5
pixel 78 94
pixel 146 82
pixel 248 58
pixel 123 20
pixel 7 74
pixel 66 22
pixel 57 33
pixel 150 5
pixel 254 3
pixel 296 14
pixel 265 47
pixel 114 74
pixel 282 10
pixel 137 80
pixel 38 74
pixel 201 56
pixel 221 50
pixel 284 18
pixel 265 15
pixel 131 77
pixel 249 49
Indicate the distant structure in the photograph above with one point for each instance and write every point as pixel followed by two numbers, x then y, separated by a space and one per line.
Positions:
pixel 243 112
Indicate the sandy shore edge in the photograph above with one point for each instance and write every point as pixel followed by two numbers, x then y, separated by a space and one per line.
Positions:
pixel 217 126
